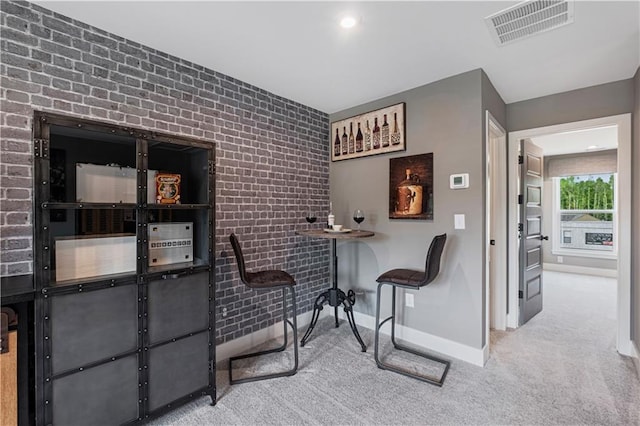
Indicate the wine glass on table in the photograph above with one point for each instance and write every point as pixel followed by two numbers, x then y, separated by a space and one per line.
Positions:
pixel 310 217
pixel 358 216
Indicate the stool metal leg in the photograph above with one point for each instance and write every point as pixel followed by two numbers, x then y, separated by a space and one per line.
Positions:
pixel 432 380
pixel 294 325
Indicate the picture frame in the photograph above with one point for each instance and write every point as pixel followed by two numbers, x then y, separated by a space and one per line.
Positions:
pixel 375 132
pixel 411 187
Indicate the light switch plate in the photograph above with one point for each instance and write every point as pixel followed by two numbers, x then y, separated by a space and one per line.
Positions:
pixel 458 221
pixel 408 299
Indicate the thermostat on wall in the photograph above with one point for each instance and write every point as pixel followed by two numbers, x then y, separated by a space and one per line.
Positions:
pixel 459 181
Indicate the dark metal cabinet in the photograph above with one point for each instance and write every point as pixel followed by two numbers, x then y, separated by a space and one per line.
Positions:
pixel 119 338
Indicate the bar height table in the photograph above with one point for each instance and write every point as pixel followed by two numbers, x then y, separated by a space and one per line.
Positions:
pixel 334 296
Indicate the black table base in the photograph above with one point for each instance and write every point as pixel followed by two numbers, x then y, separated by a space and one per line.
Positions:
pixel 335 298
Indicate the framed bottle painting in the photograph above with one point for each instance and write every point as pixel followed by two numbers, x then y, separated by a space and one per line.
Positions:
pixel 376 132
pixel 411 187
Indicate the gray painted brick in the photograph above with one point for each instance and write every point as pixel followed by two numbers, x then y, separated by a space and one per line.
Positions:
pixel 117 56
pixel 18 268
pixel 61 94
pixel 20 62
pixel 40 31
pixel 92 37
pixel 61 84
pixel 99 61
pixel 11 8
pixel 259 137
pixel 59 49
pixel 61 26
pixel 82 45
pixel 128 49
pixel 135 72
pixel 83 89
pixel 17 23
pixel 81 109
pixel 18 36
pixel 41 56
pixel 100 72
pixel 12 95
pixel 62 105
pixel 61 39
pixel 16 49
pixel 61 61
pixel 16 244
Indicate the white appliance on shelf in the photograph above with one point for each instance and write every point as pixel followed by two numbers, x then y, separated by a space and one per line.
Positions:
pixel 95 256
pixel 110 184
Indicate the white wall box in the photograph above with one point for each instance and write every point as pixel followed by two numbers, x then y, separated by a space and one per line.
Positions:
pixel 92 257
pixel 110 184
pixel 170 243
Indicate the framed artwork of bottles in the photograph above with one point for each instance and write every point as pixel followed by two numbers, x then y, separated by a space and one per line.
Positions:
pixel 376 132
pixel 411 187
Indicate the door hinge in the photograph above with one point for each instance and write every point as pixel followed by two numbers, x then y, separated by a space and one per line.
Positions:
pixel 520 200
pixel 520 227
pixel 41 148
pixel 212 168
pixel 520 295
pixel 520 159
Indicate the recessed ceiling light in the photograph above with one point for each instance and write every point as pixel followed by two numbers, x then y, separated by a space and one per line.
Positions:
pixel 591 147
pixel 348 22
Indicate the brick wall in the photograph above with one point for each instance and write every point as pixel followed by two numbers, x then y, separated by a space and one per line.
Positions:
pixel 272 155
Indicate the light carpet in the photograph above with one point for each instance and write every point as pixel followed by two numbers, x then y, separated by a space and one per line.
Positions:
pixel 561 368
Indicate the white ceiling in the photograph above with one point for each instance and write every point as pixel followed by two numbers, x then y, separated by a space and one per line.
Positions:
pixel 297 49
pixel 578 141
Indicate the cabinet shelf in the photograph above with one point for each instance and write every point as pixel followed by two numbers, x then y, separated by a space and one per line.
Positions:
pixel 179 206
pixel 93 282
pixel 60 205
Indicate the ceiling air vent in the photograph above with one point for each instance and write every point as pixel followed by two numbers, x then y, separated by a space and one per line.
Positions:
pixel 529 18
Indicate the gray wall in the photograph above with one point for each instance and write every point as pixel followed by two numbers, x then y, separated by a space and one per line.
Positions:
pixel 53 63
pixel 583 104
pixel 444 118
pixel 635 242
pixel 582 158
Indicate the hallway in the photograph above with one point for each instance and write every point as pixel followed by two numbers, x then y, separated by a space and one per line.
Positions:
pixel 565 357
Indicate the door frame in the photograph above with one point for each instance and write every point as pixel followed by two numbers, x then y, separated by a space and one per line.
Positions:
pixel 623 123
pixel 496 178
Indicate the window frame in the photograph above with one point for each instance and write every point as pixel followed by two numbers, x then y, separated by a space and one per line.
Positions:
pixel 558 236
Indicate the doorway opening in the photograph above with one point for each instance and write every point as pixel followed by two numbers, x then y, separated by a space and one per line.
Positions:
pixel 560 255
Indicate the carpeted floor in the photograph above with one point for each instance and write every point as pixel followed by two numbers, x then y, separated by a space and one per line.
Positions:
pixel 561 368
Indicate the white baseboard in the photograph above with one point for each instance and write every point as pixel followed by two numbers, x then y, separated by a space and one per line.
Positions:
pixel 244 343
pixel 428 341
pixel 584 270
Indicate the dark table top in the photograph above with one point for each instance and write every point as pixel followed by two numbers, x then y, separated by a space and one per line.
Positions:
pixel 321 233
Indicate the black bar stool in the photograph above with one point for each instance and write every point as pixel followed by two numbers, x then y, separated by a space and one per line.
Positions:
pixel 414 280
pixel 268 280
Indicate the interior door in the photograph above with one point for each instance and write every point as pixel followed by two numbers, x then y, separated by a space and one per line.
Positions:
pixel 531 174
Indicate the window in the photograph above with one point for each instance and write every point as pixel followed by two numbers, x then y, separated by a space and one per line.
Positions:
pixel 584 210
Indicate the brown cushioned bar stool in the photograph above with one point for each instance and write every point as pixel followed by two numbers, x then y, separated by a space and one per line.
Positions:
pixel 268 280
pixel 413 280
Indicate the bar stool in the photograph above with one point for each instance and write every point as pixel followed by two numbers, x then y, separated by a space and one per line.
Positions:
pixel 414 280
pixel 267 280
